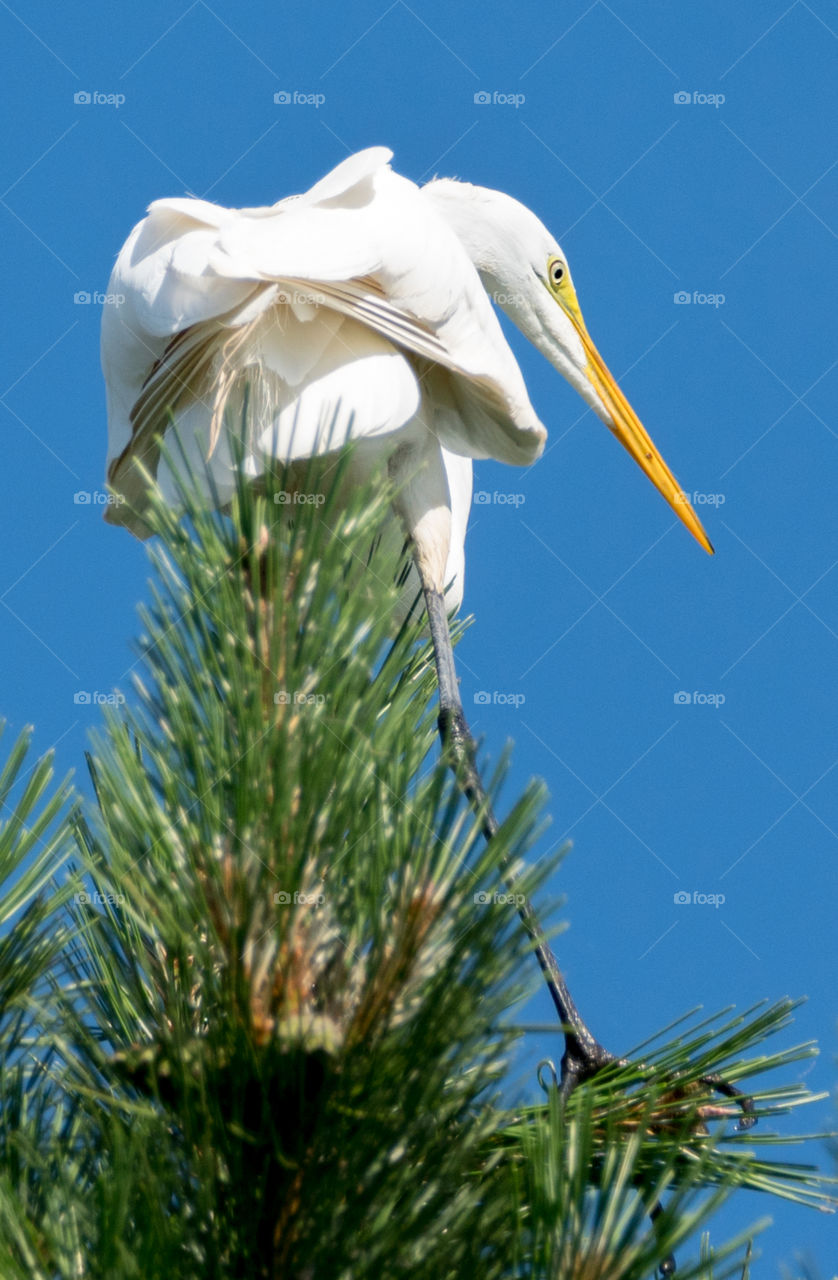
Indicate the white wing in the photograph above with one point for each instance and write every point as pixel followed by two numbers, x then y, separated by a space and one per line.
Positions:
pixel 351 311
pixel 383 254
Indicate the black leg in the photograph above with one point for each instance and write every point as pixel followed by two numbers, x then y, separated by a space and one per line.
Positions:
pixel 583 1053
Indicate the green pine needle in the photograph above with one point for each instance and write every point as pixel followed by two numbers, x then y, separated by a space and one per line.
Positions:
pixel 264 1029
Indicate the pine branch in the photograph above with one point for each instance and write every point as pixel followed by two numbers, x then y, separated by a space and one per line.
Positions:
pixel 272 1039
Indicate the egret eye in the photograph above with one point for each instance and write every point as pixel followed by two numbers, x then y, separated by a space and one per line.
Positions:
pixel 556 271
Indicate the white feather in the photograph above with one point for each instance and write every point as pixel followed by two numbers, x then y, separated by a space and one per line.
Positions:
pixel 360 387
pixel 350 313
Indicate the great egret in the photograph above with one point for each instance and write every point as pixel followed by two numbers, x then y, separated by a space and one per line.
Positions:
pixel 359 311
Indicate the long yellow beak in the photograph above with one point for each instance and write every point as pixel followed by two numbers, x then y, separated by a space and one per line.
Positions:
pixel 632 435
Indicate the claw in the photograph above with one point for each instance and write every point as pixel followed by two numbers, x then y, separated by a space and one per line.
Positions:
pixel 748 1117
pixel 580 1062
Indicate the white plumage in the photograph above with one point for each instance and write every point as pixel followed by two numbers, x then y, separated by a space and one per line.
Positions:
pixel 361 311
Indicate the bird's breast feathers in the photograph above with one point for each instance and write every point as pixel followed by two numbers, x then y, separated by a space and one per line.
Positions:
pixel 284 294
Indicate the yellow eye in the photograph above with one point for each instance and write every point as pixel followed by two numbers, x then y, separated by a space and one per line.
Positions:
pixel 556 272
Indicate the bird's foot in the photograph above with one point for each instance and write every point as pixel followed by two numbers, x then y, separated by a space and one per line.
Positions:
pixel 584 1056
pixel 747 1117
pixel 582 1059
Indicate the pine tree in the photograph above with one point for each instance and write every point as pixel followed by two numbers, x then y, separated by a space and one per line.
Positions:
pixel 257 1004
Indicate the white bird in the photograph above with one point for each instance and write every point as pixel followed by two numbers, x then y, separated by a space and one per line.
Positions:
pixel 362 311
pixel 359 311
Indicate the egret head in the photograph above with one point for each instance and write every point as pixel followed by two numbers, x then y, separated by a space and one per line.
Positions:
pixel 523 268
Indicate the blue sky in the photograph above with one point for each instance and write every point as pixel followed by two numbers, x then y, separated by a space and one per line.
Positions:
pixel 674 150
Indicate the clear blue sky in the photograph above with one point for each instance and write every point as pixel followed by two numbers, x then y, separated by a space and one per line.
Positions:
pixel 592 604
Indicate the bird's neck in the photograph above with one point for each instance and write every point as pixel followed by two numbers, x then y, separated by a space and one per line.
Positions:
pixel 474 214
